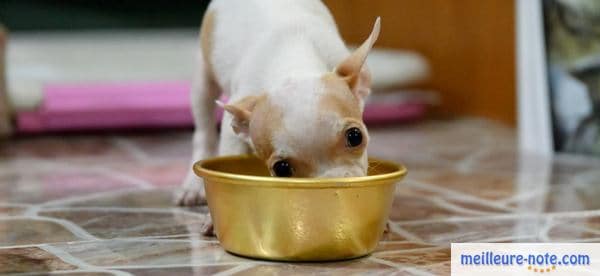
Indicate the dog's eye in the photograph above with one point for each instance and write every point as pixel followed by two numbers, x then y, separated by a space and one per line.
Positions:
pixel 353 137
pixel 282 169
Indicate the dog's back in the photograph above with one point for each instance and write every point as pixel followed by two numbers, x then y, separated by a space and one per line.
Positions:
pixel 238 33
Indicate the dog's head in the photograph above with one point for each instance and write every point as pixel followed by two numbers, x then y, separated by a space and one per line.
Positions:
pixel 315 128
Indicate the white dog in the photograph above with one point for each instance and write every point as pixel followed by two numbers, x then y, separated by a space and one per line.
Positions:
pixel 296 92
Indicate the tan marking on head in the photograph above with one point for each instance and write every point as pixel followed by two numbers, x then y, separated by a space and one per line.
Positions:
pixel 206 37
pixel 265 121
pixel 351 68
pixel 340 148
pixel 338 98
pixel 242 110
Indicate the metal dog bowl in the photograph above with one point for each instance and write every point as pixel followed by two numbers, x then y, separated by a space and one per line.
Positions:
pixel 297 219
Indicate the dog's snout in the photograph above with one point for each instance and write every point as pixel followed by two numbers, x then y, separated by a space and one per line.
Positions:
pixel 342 172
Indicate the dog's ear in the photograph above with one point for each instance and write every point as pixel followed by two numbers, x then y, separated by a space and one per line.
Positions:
pixel 241 111
pixel 351 69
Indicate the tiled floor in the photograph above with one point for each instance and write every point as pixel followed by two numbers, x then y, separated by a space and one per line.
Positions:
pixel 102 204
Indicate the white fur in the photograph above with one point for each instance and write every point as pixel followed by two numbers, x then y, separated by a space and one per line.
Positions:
pixel 279 47
pixel 259 42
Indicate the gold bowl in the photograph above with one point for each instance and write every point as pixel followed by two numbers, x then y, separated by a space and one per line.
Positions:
pixel 297 219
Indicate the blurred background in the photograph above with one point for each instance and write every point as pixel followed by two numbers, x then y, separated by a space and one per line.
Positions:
pixel 441 58
pixel 39 15
pixel 470 45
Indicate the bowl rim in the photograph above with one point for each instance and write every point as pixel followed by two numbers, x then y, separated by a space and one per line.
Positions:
pixel 297 182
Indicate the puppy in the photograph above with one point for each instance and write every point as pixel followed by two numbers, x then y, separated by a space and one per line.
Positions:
pixel 296 92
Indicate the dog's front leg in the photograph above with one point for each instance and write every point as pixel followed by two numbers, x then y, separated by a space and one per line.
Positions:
pixel 204 92
pixel 229 144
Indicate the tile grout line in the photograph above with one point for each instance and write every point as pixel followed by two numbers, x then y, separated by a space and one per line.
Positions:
pixel 169 210
pixel 130 147
pixel 470 219
pixel 394 227
pixel 139 183
pixel 399 267
pixel 519 197
pixel 79 198
pixel 166 210
pixel 570 227
pixel 67 166
pixel 159 240
pixel 456 195
pixel 465 165
pixel 543 232
pixel 418 272
pixel 13 204
pixel 503 238
pixel 131 240
pixel 568 214
pixel 452 207
pixel 75 229
pixel 406 242
pixel 179 265
pixel 82 265
pixel 588 240
pixel 584 213
pixel 32 211
pixel 238 268
pixel 67 257
pixel 72 271
pixel 423 249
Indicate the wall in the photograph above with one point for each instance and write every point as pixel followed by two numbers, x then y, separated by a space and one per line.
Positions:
pixel 470 44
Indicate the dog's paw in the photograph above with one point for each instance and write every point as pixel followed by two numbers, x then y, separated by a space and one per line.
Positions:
pixel 208 229
pixel 191 193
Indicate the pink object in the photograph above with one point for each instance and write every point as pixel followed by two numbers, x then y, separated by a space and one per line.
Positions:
pixel 109 105
pixel 383 113
pixel 149 105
